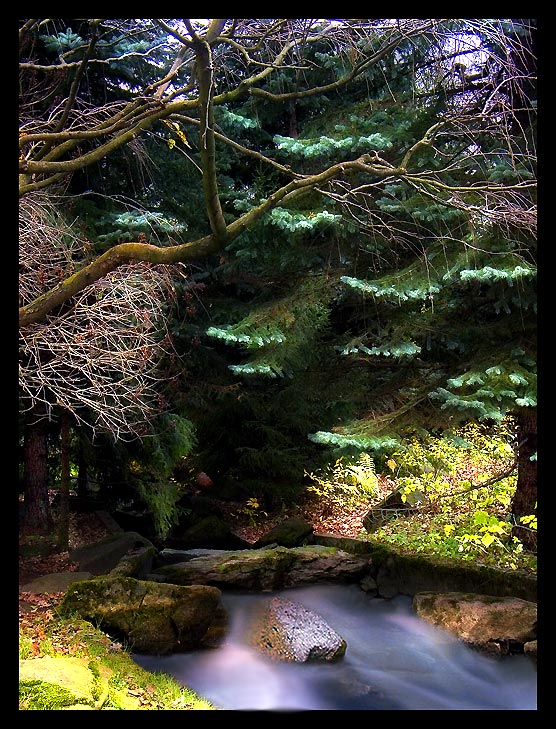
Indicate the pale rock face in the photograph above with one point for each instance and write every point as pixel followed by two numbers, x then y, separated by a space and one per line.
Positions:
pixel 265 569
pixel 500 624
pixel 285 630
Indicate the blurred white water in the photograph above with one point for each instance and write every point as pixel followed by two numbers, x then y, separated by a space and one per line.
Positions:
pixel 394 661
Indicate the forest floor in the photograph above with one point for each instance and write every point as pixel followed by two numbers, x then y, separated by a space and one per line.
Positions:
pixel 37 610
pixel 249 524
pixel 42 632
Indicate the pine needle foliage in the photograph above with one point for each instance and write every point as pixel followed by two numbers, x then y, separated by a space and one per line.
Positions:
pixel 277 335
pixel 373 307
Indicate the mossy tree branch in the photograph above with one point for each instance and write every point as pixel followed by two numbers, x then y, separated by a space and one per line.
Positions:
pixel 185 252
pixel 49 153
pixel 207 147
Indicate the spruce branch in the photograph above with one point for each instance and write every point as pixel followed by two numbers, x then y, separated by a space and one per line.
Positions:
pixel 184 253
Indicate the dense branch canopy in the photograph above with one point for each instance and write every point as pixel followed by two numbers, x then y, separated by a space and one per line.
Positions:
pixel 407 146
pixel 180 71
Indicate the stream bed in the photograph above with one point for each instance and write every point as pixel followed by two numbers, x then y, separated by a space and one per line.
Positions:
pixel 394 661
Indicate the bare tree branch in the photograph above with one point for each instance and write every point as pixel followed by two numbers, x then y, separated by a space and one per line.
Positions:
pixel 100 359
pixel 70 137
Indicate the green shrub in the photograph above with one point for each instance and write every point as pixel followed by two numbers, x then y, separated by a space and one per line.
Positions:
pixel 456 516
pixel 345 484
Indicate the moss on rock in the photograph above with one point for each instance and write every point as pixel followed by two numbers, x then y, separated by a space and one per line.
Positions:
pixel 152 617
pixel 57 682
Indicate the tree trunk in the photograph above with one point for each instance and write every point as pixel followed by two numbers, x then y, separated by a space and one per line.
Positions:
pixel 63 516
pixel 84 459
pixel 37 518
pixel 524 502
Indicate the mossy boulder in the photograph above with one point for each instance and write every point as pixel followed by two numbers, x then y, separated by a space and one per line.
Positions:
pixel 498 624
pixel 396 572
pixel 150 617
pixel 265 569
pixel 409 574
pixel 288 533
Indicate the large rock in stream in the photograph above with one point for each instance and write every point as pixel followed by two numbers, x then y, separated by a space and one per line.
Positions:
pixel 287 631
pixel 151 617
pixel 500 625
pixel 264 569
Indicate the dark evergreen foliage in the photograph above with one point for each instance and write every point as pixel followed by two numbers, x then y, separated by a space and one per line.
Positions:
pixel 342 321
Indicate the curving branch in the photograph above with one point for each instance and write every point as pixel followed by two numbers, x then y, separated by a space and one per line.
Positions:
pixel 50 152
pixel 125 253
pixel 205 74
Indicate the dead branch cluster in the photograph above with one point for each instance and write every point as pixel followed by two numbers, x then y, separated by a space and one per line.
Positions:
pixel 99 359
pixel 100 352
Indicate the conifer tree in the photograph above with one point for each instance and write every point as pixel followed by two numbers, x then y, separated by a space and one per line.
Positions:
pixel 369 213
pixel 426 289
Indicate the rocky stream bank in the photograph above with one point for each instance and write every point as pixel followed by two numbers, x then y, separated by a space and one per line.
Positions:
pixel 160 601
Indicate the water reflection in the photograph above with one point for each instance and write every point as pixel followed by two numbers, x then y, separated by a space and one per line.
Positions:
pixel 394 661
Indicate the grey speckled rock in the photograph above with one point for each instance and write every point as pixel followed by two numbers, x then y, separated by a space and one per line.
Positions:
pixel 287 631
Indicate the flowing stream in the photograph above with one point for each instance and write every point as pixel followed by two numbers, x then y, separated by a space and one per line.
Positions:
pixel 394 661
